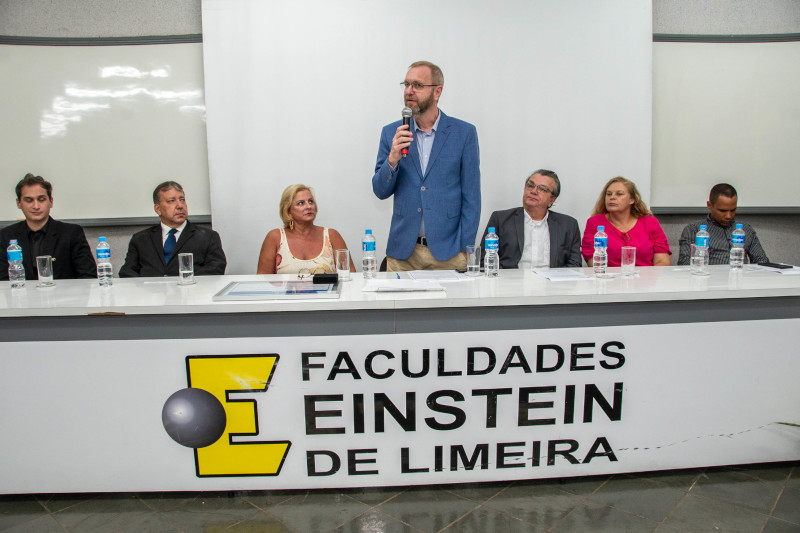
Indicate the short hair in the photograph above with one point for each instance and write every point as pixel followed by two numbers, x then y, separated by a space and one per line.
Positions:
pixel 638 209
pixel 437 78
pixel 550 174
pixel 164 187
pixel 721 189
pixel 29 180
pixel 288 196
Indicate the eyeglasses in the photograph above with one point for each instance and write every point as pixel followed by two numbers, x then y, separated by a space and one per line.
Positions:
pixel 542 188
pixel 417 86
pixel 305 273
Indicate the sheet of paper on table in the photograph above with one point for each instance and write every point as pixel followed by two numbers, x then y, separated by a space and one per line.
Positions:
pixel 794 271
pixel 562 274
pixel 437 275
pixel 400 285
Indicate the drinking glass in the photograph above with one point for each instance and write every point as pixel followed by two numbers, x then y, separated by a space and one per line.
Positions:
pixel 343 264
pixel 185 269
pixel 628 260
pixel 473 260
pixel 44 265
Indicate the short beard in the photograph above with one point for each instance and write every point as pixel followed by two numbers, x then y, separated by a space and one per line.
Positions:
pixel 421 107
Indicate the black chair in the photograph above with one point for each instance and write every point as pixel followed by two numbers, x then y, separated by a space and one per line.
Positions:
pixel 383 266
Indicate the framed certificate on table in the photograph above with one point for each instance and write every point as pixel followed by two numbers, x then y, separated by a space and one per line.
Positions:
pixel 276 290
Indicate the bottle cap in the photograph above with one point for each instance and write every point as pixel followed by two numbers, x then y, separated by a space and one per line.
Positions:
pixel 601 228
pixel 368 232
pixel 739 226
pixel 101 239
pixel 703 227
pixel 491 230
pixel 12 241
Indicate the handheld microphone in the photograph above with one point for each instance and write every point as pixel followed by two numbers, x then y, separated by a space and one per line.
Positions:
pixel 407 113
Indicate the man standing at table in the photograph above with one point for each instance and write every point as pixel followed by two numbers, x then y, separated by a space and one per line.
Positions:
pixel 721 222
pixel 436 188
pixel 532 236
pixel 154 251
pixel 40 234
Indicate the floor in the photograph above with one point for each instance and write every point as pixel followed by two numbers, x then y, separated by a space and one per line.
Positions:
pixel 754 498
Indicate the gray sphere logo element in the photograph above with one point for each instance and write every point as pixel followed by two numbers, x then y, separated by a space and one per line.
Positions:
pixel 194 418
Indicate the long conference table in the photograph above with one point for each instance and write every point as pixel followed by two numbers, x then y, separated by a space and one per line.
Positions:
pixel 152 386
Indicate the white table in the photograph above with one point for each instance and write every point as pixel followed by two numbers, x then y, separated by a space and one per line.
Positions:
pixel 148 296
pixel 527 378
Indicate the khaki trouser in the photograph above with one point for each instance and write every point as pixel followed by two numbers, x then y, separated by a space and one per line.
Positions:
pixel 422 259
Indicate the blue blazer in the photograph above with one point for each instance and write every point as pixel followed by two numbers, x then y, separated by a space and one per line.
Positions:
pixel 449 194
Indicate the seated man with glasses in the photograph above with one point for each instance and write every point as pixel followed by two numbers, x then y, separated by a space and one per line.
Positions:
pixel 532 236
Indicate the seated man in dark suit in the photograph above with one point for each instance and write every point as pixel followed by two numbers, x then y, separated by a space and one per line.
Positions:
pixel 154 251
pixel 39 234
pixel 532 236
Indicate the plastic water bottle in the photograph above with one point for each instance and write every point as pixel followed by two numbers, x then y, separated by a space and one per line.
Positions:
pixel 600 257
pixel 492 261
pixel 737 247
pixel 16 271
pixel 368 262
pixel 104 269
pixel 699 260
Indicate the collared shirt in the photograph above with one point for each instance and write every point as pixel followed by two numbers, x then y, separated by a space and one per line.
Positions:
pixel 536 253
pixel 35 239
pixel 719 242
pixel 425 141
pixel 424 146
pixel 165 232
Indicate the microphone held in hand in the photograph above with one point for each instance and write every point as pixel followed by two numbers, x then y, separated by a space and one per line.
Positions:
pixel 407 113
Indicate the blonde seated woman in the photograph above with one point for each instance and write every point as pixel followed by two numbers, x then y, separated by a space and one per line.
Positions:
pixel 300 246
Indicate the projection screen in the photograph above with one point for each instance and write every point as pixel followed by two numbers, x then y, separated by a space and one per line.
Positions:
pixel 297 92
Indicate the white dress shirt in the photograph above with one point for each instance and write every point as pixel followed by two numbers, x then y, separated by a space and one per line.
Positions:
pixel 536 253
pixel 165 232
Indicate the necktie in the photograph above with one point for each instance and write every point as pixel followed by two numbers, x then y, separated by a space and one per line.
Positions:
pixel 169 245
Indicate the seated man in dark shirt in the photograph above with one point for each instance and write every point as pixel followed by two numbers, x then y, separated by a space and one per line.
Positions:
pixel 154 251
pixel 40 234
pixel 720 222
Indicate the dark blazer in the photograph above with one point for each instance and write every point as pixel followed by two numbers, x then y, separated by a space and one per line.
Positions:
pixel 65 242
pixel 146 253
pixel 565 237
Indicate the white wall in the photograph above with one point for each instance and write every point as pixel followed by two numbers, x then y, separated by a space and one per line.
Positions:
pixel 297 93
pixel 67 18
